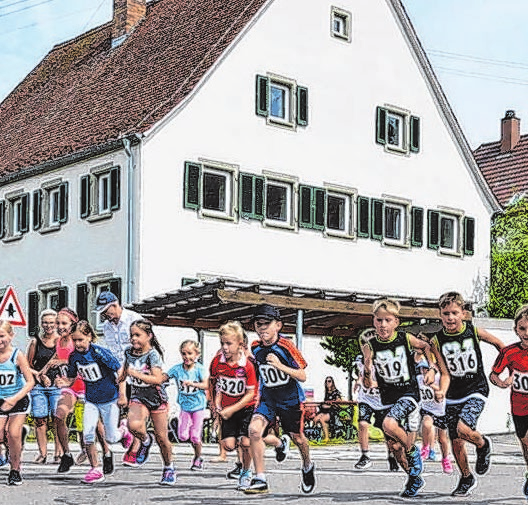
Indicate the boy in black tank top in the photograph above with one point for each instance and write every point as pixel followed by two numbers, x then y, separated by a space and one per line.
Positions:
pixel 391 353
pixel 459 343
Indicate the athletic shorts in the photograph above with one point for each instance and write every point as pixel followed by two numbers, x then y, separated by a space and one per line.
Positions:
pixel 238 424
pixel 439 421
pixel 468 412
pixel 21 407
pixel 366 412
pixel 290 417
pixel 521 425
pixel 403 411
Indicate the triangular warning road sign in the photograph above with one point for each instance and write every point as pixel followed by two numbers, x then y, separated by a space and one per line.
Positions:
pixel 10 309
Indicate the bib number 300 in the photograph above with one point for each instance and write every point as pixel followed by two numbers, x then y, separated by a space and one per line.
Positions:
pixel 272 377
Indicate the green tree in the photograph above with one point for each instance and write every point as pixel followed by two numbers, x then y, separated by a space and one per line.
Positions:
pixel 509 260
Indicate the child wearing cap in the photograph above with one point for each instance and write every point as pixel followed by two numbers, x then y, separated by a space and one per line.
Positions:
pixel 281 368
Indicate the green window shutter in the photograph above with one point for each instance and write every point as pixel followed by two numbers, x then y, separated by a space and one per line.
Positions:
pixel 433 229
pixel 82 301
pixel 33 313
pixel 2 219
pixel 192 185
pixel 319 208
pixel 302 106
pixel 85 196
pixel 24 216
pixel 417 222
pixel 115 287
pixel 305 207
pixel 381 125
pixel 259 198
pixel 246 195
pixel 469 236
pixel 363 217
pixel 63 297
pixel 63 202
pixel 376 216
pixel 415 134
pixel 188 280
pixel 37 209
pixel 115 188
pixel 261 100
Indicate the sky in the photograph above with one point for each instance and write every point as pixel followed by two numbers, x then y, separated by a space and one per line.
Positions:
pixel 476 47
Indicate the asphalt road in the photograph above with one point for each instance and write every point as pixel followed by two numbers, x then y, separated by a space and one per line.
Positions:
pixel 337 481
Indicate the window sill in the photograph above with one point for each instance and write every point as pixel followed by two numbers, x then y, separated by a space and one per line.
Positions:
pixel 13 238
pixel 99 217
pixel 396 150
pixel 337 234
pixel 287 125
pixel 269 223
pixel 448 252
pixel 398 244
pixel 204 213
pixel 50 229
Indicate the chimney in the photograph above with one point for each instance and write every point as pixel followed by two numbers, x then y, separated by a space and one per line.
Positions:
pixel 127 15
pixel 510 131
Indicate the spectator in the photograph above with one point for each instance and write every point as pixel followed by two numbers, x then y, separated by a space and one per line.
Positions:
pixel 329 407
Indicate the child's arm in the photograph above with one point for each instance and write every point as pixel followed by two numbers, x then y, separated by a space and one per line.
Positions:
pixel 203 384
pixel 296 373
pixel 227 412
pixel 155 377
pixel 495 379
pixel 486 336
pixel 368 382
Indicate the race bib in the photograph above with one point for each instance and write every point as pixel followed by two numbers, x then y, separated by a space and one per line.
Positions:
pixel 272 377
pixel 7 378
pixel 186 389
pixel 392 366
pixel 460 359
pixel 426 394
pixel 90 373
pixel 232 386
pixel 520 382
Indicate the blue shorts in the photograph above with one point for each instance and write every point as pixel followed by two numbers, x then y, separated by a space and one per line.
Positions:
pixel 290 416
pixel 468 412
pixel 44 401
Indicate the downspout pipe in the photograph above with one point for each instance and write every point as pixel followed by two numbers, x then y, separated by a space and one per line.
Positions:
pixel 299 329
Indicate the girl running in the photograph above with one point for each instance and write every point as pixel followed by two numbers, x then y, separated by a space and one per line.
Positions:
pixel 45 395
pixel 143 362
pixel 16 380
pixel 191 380
pixel 97 367
pixel 236 388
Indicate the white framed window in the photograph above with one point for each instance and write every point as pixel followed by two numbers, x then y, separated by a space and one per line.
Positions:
pixel 87 293
pixel 100 193
pixel 449 233
pixel 339 212
pixel 104 193
pixel 397 130
pixel 341 24
pixel 396 225
pixel 50 206
pixel 445 231
pixel 279 203
pixel 15 208
pixel 54 207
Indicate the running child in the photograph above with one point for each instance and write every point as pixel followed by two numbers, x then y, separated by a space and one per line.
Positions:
pixel 281 368
pixel 391 353
pixel 514 358
pixel 192 382
pixel 16 380
pixel 97 367
pixel 148 398
pixel 459 343
pixel 235 398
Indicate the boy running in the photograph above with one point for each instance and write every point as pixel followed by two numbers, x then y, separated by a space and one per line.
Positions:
pixel 459 343
pixel 391 353
pixel 281 369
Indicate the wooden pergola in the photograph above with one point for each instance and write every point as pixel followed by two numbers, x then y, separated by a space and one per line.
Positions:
pixel 206 305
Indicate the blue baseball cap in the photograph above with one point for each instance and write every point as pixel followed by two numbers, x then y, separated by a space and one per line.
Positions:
pixel 105 299
pixel 267 312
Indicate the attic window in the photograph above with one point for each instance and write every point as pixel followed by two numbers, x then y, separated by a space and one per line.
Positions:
pixel 341 24
pixel 397 130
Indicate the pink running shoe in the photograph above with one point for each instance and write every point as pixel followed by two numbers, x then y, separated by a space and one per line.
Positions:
pixel 424 452
pixel 93 476
pixel 447 466
pixel 127 438
pixel 129 459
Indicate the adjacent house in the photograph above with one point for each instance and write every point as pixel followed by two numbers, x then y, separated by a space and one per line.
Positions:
pixel 289 148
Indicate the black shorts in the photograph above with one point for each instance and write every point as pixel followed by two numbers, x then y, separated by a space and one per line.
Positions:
pixel 21 407
pixel 521 425
pixel 439 421
pixel 237 425
pixel 366 412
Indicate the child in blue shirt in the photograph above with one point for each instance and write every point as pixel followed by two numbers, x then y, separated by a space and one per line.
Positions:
pixel 97 367
pixel 191 380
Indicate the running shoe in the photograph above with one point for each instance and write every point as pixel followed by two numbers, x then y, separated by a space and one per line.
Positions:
pixel 393 464
pixel 257 486
pixel 81 457
pixel 483 457
pixel 14 478
pixel 414 484
pixel 525 487
pixel 415 461
pixel 235 472
pixel 93 476
pixel 244 480
pixel 197 464
pixel 363 463
pixel 3 459
pixel 447 466
pixel 168 477
pixel 432 455
pixel 465 486
pixel 40 459
pixel 282 451
pixel 142 455
pixel 308 480
pixel 108 464
pixel 129 459
pixel 127 438
pixel 66 463
pixel 424 453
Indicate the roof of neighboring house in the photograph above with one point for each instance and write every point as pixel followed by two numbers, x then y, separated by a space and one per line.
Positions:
pixel 84 93
pixel 506 173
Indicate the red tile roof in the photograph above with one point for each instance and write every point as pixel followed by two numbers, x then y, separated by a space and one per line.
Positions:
pixel 84 93
pixel 505 173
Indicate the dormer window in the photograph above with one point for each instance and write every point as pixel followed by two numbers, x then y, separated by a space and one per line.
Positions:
pixel 341 21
